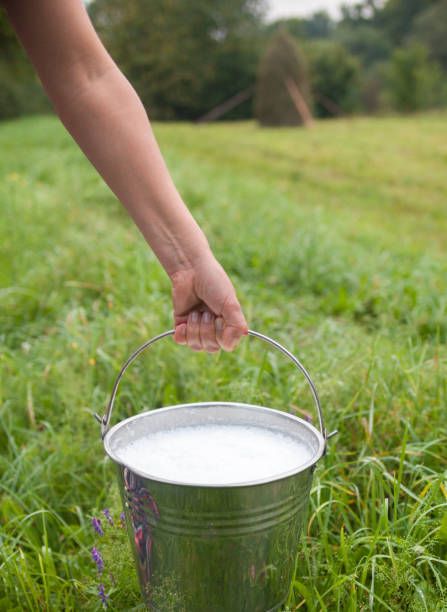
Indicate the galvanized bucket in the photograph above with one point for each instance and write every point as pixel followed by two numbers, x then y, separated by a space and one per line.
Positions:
pixel 214 548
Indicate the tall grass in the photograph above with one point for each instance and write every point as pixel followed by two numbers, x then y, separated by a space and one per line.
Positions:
pixel 335 239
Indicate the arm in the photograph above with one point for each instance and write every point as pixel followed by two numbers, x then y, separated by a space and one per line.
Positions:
pixel 104 115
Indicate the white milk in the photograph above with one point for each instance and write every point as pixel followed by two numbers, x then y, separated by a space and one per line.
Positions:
pixel 215 454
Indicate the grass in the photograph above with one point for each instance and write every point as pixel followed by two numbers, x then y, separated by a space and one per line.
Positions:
pixel 335 239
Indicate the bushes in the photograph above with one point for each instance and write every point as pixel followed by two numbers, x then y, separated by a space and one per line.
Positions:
pixel 20 93
pixel 335 77
pixel 10 95
pixel 414 82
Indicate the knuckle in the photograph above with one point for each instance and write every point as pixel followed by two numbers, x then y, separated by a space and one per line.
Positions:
pixel 233 307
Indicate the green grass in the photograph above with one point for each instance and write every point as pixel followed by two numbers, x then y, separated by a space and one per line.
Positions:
pixel 336 240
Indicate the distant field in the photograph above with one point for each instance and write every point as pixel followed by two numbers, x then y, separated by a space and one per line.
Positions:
pixel 336 240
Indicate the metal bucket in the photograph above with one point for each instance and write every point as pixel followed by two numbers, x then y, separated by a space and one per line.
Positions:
pixel 214 548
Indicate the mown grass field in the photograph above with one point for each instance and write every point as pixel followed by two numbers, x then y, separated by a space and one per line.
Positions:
pixel 336 240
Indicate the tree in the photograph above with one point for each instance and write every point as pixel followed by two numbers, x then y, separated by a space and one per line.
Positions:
pixel 182 57
pixel 318 25
pixel 361 12
pixel 20 91
pixel 334 77
pixel 282 63
pixel 430 29
pixel 367 42
pixel 397 17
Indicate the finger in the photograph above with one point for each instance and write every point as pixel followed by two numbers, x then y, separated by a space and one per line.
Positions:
pixel 180 333
pixel 193 331
pixel 233 316
pixel 208 333
pixel 219 327
pixel 231 337
pixel 228 336
pixel 234 325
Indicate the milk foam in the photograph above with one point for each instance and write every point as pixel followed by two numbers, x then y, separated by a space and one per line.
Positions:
pixel 215 454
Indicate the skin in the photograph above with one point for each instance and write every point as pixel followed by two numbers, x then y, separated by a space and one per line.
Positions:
pixel 103 113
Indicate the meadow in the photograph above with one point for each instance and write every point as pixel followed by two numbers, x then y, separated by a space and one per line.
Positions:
pixel 335 238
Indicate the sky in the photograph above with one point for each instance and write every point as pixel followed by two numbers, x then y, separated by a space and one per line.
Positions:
pixel 293 8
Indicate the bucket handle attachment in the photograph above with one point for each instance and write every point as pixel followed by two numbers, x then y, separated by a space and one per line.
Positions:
pixel 105 420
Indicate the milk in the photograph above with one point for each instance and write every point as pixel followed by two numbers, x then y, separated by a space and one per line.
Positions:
pixel 215 454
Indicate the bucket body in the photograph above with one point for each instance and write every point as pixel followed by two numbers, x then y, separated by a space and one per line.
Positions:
pixel 206 548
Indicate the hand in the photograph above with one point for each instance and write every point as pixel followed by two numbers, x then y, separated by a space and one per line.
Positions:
pixel 207 314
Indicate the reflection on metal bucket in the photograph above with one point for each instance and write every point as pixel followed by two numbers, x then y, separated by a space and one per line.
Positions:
pixel 226 548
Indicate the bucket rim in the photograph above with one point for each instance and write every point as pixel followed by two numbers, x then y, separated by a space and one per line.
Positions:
pixel 249 483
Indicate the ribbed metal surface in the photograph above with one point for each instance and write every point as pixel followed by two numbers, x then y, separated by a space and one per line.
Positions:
pixel 235 560
pixel 218 524
pixel 210 548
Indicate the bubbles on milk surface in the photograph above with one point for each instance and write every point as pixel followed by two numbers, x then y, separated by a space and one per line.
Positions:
pixel 215 454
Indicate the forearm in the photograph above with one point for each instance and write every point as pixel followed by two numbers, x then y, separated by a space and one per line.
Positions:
pixel 106 118
pixel 110 124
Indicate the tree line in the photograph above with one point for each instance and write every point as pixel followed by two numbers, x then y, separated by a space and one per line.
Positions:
pixel 186 59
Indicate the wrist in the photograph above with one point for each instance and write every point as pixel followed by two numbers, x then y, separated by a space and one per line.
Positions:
pixel 187 260
pixel 184 251
pixel 172 233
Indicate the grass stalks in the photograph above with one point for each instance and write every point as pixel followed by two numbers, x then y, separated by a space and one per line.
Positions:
pixel 336 249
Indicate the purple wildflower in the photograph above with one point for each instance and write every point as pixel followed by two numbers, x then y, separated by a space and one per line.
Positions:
pixel 97 526
pixel 102 595
pixel 108 516
pixel 96 556
pixel 123 519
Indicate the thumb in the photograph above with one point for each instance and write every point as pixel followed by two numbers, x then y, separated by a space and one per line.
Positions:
pixel 231 325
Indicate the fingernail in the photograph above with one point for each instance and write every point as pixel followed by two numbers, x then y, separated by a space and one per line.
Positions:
pixel 219 324
pixel 195 316
pixel 206 317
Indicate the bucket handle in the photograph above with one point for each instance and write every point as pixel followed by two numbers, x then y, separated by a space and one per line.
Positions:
pixel 105 420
